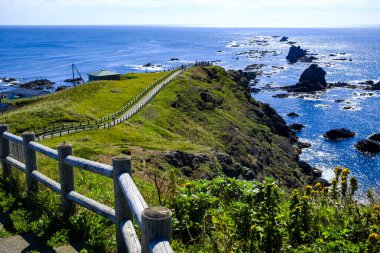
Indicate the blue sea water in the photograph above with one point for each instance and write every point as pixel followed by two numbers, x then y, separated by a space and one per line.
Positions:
pixel 30 53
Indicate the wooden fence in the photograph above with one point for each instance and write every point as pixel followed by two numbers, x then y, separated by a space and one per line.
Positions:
pixel 73 127
pixel 154 222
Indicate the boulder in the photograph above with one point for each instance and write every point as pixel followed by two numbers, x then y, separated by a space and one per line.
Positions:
pixel 187 162
pixel 38 84
pixel 8 79
pixel 303 145
pixel 284 39
pixel 254 67
pixel 368 145
pixel 313 74
pixel 295 53
pixel 339 134
pixel 282 95
pixel 174 59
pixel 375 137
pixel 296 127
pixel 292 115
pixel 369 82
pixel 375 86
pixel 305 167
pixel 312 79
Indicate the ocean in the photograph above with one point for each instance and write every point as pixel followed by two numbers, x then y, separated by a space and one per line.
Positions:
pixel 347 55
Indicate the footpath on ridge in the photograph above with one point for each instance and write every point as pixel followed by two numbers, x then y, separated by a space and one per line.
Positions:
pixel 133 107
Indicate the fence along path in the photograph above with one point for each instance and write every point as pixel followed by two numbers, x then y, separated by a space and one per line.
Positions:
pixel 114 118
pixel 154 222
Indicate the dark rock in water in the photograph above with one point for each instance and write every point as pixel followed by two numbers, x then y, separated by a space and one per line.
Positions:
pixel 291 42
pixel 174 59
pixel 253 67
pixel 342 85
pixel 369 82
pixel 296 127
pixel 8 79
pixel 313 74
pixel 339 134
pixel 312 79
pixel 339 101
pixel 375 137
pixel 303 145
pixel 38 84
pixel 148 65
pixel 347 108
pixel 284 39
pixel 369 146
pixel 255 90
pixel 292 115
pixel 375 86
pixel 295 53
pixel 282 95
pixel 308 59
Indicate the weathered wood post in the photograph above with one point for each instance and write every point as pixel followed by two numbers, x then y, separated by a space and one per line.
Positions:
pixel 66 175
pixel 122 210
pixel 156 224
pixel 30 162
pixel 4 152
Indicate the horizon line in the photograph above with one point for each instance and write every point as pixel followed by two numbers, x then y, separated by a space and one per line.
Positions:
pixel 198 26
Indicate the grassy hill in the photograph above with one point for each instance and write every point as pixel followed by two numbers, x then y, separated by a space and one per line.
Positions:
pixel 202 125
pixel 85 102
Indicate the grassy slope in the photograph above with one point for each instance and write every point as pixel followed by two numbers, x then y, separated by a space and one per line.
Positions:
pixel 89 101
pixel 229 124
pixel 233 127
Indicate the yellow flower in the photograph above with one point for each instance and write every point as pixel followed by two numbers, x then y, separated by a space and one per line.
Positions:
pixel 373 238
pixel 345 172
pixel 253 227
pixel 308 189
pixel 318 186
pixel 334 181
pixel 306 198
pixel 186 185
pixel 338 170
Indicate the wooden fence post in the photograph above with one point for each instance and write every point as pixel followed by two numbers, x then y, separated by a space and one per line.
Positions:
pixel 4 152
pixel 122 210
pixel 156 223
pixel 30 162
pixel 66 175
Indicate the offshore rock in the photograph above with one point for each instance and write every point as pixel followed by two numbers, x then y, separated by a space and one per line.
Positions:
pixel 339 134
pixel 312 79
pixel 295 53
pixel 368 145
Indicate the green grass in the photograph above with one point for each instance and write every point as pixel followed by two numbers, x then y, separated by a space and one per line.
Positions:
pixel 176 119
pixel 85 102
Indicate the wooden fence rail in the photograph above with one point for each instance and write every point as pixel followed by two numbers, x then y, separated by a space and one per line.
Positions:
pixel 95 124
pixel 107 125
pixel 154 222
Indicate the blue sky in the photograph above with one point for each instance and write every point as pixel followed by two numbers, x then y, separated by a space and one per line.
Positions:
pixel 224 13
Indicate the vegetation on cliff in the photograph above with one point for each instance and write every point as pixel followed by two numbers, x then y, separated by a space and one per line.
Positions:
pixel 186 144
